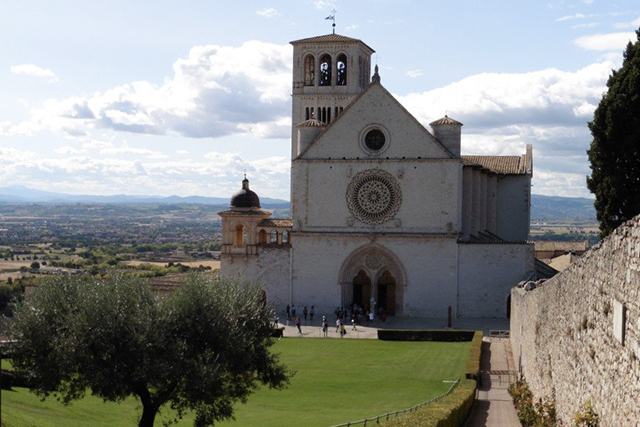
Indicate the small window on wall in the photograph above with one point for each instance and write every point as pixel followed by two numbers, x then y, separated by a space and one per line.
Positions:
pixel 341 70
pixel 274 236
pixel 374 139
pixel 239 237
pixel 325 70
pixel 309 71
pixel 285 237
pixel 262 236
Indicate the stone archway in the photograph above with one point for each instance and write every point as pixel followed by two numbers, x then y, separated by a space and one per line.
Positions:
pixel 386 274
pixel 361 292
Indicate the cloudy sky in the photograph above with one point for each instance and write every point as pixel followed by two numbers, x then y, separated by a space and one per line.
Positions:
pixel 167 97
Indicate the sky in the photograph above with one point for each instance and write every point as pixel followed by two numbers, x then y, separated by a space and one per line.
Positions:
pixel 181 97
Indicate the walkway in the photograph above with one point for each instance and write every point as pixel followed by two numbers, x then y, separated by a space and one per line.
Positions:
pixel 493 406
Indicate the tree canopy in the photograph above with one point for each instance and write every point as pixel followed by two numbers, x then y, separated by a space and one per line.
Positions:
pixel 615 150
pixel 201 348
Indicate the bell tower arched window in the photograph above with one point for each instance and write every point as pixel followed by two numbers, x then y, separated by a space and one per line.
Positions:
pixel 325 70
pixel 309 70
pixel 341 70
pixel 239 237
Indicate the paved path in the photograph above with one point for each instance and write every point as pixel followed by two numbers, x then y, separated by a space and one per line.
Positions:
pixel 493 406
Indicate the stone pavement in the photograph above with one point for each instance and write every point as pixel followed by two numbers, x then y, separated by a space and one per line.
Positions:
pixel 493 406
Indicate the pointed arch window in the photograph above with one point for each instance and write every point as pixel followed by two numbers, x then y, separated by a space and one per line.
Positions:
pixel 262 236
pixel 341 70
pixel 274 236
pixel 309 70
pixel 285 237
pixel 325 70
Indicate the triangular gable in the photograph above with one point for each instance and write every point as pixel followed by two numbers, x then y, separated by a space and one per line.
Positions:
pixel 375 105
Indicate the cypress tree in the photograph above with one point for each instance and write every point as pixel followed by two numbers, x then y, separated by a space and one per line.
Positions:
pixel 615 150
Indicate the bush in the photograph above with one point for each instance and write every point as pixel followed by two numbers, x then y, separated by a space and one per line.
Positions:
pixel 540 414
pixel 472 371
pixel 425 335
pixel 450 411
pixel 587 417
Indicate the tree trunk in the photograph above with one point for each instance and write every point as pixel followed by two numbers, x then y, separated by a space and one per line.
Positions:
pixel 149 411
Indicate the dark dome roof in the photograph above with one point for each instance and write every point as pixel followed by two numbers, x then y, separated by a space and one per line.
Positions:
pixel 245 198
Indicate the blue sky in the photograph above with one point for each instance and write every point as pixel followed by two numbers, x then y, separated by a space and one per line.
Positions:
pixel 167 97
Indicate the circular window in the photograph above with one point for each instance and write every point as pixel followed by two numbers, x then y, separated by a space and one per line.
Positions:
pixel 373 196
pixel 374 140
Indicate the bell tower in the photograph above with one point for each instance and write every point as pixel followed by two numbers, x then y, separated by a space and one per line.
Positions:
pixel 328 73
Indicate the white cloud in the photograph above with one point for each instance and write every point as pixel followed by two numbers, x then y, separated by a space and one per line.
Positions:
pixel 20 129
pixel 34 70
pixel 605 42
pixel 217 174
pixel 414 73
pixel 324 4
pixel 215 91
pixel 588 25
pixel 570 17
pixel 349 28
pixel 268 12
pixel 630 24
pixel 183 152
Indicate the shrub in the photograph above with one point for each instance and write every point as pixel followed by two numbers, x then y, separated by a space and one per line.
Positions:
pixel 540 414
pixel 472 371
pixel 424 335
pixel 587 417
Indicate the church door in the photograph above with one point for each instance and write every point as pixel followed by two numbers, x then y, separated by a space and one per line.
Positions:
pixel 387 293
pixel 361 289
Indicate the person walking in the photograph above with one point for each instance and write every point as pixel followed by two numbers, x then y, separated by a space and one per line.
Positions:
pixel 293 310
pixel 305 312
pixel 325 326
pixel 288 312
pixel 343 331
pixel 298 323
pixel 312 312
pixel 338 323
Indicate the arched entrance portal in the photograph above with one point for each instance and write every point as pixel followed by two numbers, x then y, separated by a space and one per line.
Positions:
pixel 361 289
pixel 372 274
pixel 387 293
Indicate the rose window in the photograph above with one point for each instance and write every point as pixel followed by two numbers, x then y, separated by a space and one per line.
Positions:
pixel 373 196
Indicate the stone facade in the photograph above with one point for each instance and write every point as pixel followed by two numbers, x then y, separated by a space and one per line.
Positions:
pixel 382 208
pixel 579 333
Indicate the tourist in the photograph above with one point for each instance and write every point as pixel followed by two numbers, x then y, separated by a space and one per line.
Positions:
pixel 371 316
pixel 338 323
pixel 353 324
pixel 325 326
pixel 312 312
pixel 305 312
pixel 343 331
pixel 298 323
pixel 288 312
pixel 293 310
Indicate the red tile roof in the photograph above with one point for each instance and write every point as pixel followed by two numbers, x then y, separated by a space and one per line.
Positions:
pixel 331 38
pixel 503 165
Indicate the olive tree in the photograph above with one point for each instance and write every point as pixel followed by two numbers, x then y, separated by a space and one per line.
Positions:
pixel 201 348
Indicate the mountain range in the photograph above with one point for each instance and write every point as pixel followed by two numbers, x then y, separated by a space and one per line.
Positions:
pixel 543 208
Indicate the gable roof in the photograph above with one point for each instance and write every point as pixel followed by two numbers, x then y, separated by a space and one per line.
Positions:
pixel 272 222
pixel 502 165
pixel 331 38
pixel 371 85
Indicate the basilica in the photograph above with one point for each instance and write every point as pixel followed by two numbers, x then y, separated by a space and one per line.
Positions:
pixel 382 208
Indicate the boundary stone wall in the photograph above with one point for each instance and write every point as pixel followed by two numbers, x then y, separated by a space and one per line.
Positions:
pixel 578 334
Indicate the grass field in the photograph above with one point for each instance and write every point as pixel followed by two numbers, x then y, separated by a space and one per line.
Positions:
pixel 336 381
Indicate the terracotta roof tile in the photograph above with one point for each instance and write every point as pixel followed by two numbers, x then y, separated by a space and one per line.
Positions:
pixel 330 38
pixel 503 165
pixel 446 120
pixel 270 222
pixel 561 246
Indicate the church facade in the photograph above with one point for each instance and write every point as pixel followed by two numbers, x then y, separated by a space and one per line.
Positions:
pixel 382 208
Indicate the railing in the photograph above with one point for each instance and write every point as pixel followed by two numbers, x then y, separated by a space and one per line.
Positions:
pixel 499 333
pixel 386 416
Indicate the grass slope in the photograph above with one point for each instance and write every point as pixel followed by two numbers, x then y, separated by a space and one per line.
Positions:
pixel 336 381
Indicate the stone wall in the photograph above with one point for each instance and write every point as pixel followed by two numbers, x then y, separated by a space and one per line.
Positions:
pixel 579 333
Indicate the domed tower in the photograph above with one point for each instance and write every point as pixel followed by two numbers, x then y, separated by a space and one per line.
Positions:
pixel 328 73
pixel 239 223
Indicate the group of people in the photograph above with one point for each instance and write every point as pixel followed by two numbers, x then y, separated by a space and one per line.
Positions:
pixel 353 314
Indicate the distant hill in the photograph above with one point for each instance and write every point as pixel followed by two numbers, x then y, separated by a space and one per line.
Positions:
pixel 21 195
pixel 545 208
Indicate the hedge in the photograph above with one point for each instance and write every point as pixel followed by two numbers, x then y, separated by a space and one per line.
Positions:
pixel 472 371
pixel 450 411
pixel 425 335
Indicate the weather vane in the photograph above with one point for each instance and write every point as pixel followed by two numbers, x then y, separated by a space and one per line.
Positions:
pixel 333 18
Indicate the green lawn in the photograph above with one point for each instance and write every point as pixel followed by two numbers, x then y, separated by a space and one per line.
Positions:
pixel 336 381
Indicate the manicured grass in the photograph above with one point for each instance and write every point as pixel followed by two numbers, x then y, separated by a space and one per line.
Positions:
pixel 336 381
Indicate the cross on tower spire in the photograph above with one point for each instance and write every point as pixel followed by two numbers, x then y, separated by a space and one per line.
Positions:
pixel 333 18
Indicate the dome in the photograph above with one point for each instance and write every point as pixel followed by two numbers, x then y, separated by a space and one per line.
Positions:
pixel 245 198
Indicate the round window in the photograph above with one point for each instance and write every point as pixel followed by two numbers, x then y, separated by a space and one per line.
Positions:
pixel 374 140
pixel 374 196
